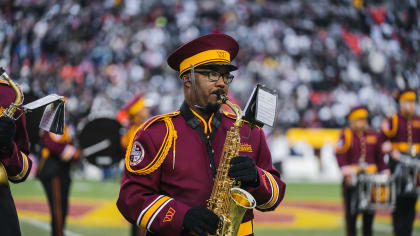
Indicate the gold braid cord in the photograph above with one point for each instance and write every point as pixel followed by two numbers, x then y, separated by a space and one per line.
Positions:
pixel 170 137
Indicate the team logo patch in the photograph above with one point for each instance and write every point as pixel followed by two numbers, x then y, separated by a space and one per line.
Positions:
pixel 137 154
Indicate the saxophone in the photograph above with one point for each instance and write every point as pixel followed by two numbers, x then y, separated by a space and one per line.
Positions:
pixel 9 112
pixel 227 200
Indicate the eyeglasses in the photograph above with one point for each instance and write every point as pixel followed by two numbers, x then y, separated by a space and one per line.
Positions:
pixel 214 76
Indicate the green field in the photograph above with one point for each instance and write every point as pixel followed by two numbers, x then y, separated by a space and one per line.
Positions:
pixel 108 191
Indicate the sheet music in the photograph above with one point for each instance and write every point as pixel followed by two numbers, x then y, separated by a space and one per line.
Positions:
pixel 266 107
pixel 42 101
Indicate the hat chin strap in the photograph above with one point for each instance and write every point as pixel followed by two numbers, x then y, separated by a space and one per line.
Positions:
pixel 194 85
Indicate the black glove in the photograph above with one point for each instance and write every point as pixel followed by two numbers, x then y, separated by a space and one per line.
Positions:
pixel 243 168
pixel 201 221
pixel 7 133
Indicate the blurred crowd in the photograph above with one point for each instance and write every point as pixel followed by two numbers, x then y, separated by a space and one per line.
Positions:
pixel 322 56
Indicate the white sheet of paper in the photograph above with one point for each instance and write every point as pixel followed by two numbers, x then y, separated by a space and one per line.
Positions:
pixel 42 101
pixel 266 107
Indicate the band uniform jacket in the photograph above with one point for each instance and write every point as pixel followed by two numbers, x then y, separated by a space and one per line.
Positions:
pixel 16 164
pixel 351 147
pixel 402 133
pixel 60 150
pixel 168 170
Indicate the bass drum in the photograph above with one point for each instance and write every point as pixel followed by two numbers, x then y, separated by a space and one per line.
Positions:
pixel 100 142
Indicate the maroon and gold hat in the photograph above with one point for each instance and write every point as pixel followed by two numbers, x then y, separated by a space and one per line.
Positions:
pixel 406 95
pixel 356 113
pixel 131 108
pixel 211 49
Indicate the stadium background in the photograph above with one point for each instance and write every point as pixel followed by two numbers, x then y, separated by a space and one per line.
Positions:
pixel 322 56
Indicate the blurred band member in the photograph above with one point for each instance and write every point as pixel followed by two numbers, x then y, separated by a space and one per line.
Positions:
pixel 14 163
pixel 402 132
pixel 57 155
pixel 131 116
pixel 358 150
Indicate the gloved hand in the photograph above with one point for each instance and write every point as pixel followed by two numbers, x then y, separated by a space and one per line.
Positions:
pixel 7 133
pixel 201 221
pixel 243 168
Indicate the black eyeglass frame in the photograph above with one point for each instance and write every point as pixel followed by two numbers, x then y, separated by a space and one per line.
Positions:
pixel 227 77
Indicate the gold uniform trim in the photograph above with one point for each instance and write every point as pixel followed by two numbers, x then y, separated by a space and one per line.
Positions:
pixel 274 192
pixel 246 228
pixel 170 137
pixel 145 220
pixel 347 142
pixel 390 131
pixel 24 169
pixel 405 147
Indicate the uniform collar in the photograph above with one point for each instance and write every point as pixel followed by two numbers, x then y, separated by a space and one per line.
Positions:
pixel 194 120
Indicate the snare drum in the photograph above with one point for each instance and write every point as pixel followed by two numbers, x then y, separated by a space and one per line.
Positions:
pixel 375 191
pixel 408 174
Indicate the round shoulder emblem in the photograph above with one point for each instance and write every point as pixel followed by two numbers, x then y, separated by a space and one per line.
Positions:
pixel 137 154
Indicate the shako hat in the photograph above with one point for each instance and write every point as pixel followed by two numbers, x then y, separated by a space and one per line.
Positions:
pixel 208 50
pixel 356 113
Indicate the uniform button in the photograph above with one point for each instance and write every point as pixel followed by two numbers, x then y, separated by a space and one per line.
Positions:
pixel 208 137
pixel 212 151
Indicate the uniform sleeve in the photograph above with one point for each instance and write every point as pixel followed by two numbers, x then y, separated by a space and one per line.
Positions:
pixel 140 200
pixel 342 148
pixel 17 164
pixel 271 190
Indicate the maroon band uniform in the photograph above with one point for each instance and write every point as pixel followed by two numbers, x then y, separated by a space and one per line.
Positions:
pixel 404 134
pixel 168 170
pixel 352 149
pixel 57 155
pixel 16 164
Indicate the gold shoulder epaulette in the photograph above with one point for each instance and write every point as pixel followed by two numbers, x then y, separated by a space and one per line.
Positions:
pixel 347 142
pixel 390 121
pixel 170 137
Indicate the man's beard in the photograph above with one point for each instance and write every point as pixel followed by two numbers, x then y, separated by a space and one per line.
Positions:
pixel 212 107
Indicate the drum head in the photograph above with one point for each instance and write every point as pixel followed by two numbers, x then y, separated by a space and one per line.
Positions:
pixel 100 142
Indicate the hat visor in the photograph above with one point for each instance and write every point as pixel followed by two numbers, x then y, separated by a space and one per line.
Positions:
pixel 229 67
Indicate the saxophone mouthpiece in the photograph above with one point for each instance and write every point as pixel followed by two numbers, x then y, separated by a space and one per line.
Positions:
pixel 221 96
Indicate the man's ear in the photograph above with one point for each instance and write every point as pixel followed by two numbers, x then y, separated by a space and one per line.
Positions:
pixel 186 80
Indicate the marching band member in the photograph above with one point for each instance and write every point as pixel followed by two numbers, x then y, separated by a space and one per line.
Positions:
pixel 171 162
pixel 402 132
pixel 132 115
pixel 358 150
pixel 57 155
pixel 14 162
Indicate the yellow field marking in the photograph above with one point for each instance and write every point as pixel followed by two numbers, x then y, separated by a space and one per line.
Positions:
pixel 106 214
pixel 303 218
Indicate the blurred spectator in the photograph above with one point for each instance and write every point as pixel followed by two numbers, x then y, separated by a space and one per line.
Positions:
pixel 323 56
